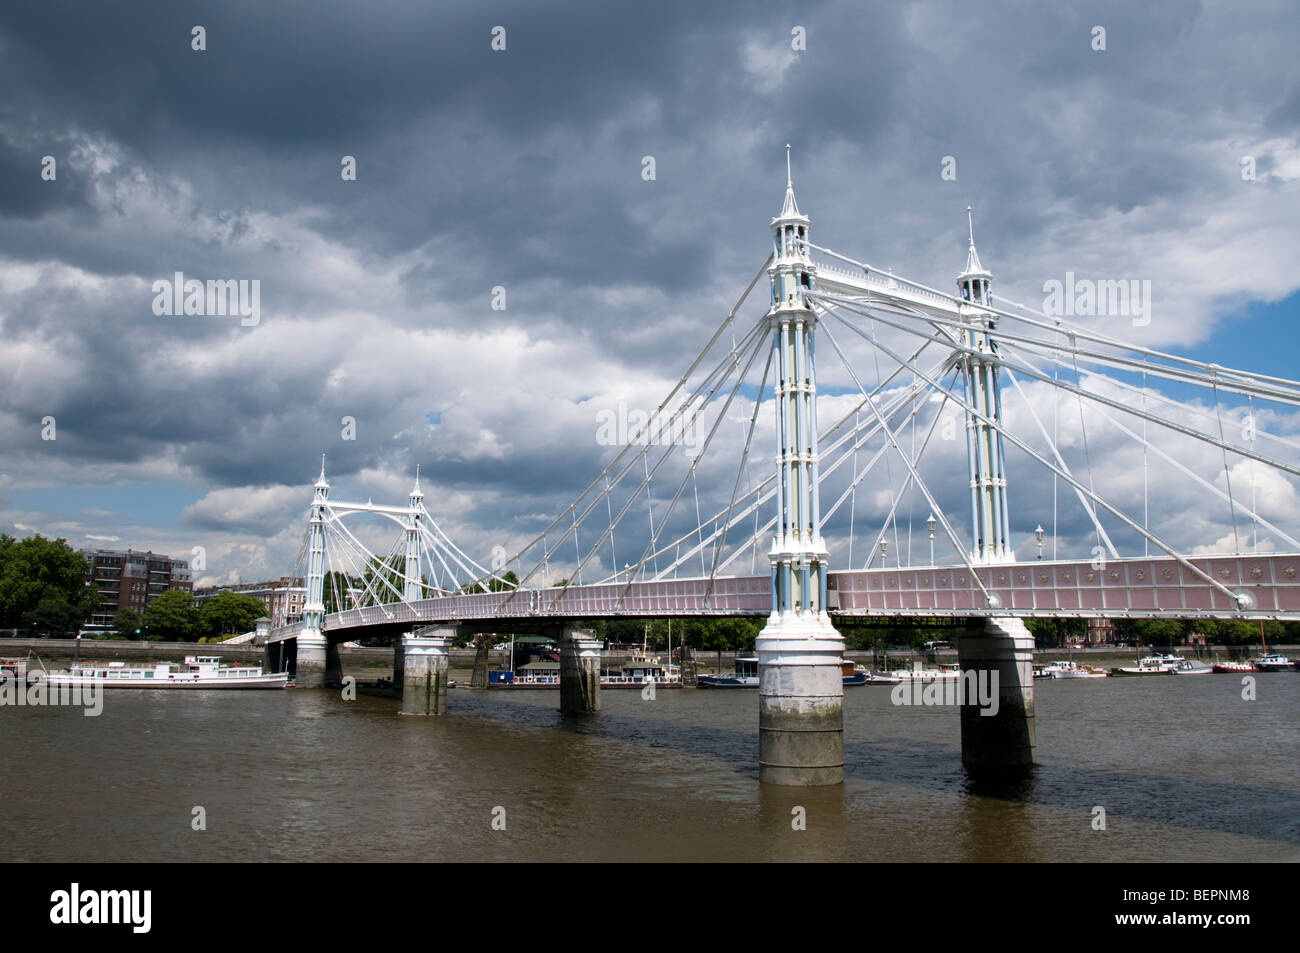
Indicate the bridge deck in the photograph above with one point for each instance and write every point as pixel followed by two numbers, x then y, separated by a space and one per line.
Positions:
pixel 1132 588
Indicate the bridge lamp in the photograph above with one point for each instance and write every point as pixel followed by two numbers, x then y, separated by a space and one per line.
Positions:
pixel 884 547
pixel 1038 535
pixel 929 524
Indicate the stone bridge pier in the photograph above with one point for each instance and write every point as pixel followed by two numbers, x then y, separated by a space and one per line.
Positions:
pixel 421 662
pixel 579 671
pixel 420 667
pixel 997 731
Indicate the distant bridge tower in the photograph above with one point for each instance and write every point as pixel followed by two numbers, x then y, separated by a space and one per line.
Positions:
pixel 413 589
pixel 312 645
pixel 801 688
pixel 990 519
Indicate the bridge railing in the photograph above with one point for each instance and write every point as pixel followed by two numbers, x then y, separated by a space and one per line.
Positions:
pixel 1137 588
pixel 1141 588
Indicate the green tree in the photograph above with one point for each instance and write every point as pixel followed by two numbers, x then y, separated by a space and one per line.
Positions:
pixel 1057 632
pixel 336 591
pixel 386 580
pixel 43 585
pixel 54 615
pixel 127 622
pixel 228 612
pixel 172 617
pixel 1153 631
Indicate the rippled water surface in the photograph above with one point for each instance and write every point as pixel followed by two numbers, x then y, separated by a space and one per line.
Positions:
pixel 1184 768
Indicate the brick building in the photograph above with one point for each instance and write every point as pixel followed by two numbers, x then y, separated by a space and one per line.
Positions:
pixel 131 579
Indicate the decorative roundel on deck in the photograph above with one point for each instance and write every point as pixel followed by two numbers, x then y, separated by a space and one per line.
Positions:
pixel 1289 572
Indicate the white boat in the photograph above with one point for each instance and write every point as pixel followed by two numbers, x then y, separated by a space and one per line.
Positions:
pixel 945 672
pixel 639 670
pixel 197 671
pixel 1152 665
pixel 1192 667
pixel 1070 669
pixel 1274 662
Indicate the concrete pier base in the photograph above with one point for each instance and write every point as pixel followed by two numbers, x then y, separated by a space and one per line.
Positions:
pixel 309 669
pixel 424 672
pixel 579 671
pixel 333 664
pixel 479 677
pixel 1004 648
pixel 800 701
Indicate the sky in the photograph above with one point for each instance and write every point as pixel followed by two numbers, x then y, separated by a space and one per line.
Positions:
pixel 507 269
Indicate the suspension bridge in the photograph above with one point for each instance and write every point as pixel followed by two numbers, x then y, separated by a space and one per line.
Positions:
pixel 1077 426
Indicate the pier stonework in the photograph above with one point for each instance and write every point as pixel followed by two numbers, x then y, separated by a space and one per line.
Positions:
pixel 310 665
pixel 579 671
pixel 424 672
pixel 1004 648
pixel 800 706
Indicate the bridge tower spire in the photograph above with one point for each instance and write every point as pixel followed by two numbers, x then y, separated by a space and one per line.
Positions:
pixel 801 689
pixel 312 645
pixel 990 516
pixel 412 589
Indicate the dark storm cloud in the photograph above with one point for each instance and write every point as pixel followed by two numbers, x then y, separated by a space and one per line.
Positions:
pixel 522 169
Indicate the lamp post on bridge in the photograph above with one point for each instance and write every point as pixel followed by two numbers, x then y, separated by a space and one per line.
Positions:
pixel 1038 535
pixel 930 524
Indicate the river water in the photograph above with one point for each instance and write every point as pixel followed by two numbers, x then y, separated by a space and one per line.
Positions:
pixel 1184 768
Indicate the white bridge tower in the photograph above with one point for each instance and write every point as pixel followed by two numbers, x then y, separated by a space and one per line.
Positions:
pixel 801 687
pixel 990 519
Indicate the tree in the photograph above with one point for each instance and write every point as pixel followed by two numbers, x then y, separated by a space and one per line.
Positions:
pixel 336 591
pixel 55 616
pixel 127 623
pixel 172 617
pixel 43 585
pixel 387 580
pixel 228 612
pixel 1057 632
pixel 1152 631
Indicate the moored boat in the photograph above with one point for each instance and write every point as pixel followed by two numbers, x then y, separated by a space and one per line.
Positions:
pixel 197 671
pixel 854 674
pixel 1072 669
pixel 1273 662
pixel 744 676
pixel 1246 666
pixel 1151 665
pixel 1192 667
pixel 945 672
